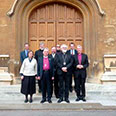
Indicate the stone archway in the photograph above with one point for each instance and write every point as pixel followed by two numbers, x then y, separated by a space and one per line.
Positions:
pixel 55 23
pixel 89 13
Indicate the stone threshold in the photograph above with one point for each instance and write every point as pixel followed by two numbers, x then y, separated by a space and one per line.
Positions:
pixel 56 106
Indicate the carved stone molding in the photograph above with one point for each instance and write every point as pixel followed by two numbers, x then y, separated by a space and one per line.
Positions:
pixel 12 9
pixel 99 8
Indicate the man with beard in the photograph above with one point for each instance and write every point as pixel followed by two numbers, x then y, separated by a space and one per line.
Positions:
pixel 64 63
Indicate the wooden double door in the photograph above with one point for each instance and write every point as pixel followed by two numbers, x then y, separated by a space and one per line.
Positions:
pixel 55 23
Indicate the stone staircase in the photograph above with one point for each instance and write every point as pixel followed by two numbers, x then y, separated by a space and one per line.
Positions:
pixel 98 97
pixel 5 77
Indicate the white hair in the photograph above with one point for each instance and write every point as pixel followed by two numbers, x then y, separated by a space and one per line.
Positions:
pixel 64 45
pixel 79 46
pixel 41 43
pixel 46 49
pixel 58 45
pixel 53 47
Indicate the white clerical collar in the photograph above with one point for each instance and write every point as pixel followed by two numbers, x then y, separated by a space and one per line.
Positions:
pixel 45 56
pixel 53 55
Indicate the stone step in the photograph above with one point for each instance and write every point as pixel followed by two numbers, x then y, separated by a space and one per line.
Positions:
pixel 89 87
pixel 98 97
pixel 57 107
pixel 4 69
pixel 109 77
pixel 5 78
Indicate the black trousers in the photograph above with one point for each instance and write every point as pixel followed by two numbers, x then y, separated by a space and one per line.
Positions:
pixel 39 84
pixel 63 86
pixel 46 85
pixel 55 86
pixel 80 86
pixel 70 81
pixel 71 75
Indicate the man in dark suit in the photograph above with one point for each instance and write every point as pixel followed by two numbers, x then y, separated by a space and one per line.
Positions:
pixel 39 53
pixel 58 50
pixel 24 54
pixel 55 82
pixel 72 52
pixel 64 63
pixel 80 64
pixel 45 74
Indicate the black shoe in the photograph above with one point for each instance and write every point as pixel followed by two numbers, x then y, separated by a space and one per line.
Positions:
pixel 77 99
pixel 60 100
pixel 42 101
pixel 30 100
pixel 83 99
pixel 49 101
pixel 57 96
pixel 71 90
pixel 39 90
pixel 67 100
pixel 26 100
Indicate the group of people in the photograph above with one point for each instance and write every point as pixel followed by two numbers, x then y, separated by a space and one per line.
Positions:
pixel 54 72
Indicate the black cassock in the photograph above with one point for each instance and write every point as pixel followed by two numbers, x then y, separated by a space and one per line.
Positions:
pixel 64 60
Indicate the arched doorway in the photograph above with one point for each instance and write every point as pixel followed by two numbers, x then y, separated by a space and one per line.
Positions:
pixel 27 26
pixel 55 23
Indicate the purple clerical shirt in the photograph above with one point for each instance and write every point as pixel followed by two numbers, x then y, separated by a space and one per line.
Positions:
pixel 46 65
pixel 79 58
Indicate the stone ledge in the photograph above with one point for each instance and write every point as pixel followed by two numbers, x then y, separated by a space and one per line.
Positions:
pixel 4 56
pixel 5 80
pixel 109 56
pixel 109 77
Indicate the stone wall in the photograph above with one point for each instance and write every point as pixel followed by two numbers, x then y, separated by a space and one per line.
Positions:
pixel 105 36
pixel 106 42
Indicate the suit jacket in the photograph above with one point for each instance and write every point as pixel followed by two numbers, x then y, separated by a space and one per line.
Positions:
pixel 54 61
pixel 69 51
pixel 60 61
pixel 22 56
pixel 40 67
pixel 38 53
pixel 85 64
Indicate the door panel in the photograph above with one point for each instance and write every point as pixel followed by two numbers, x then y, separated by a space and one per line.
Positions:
pixel 55 24
pixel 33 45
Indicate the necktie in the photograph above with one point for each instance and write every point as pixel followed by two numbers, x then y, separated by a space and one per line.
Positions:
pixel 26 53
pixel 72 52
